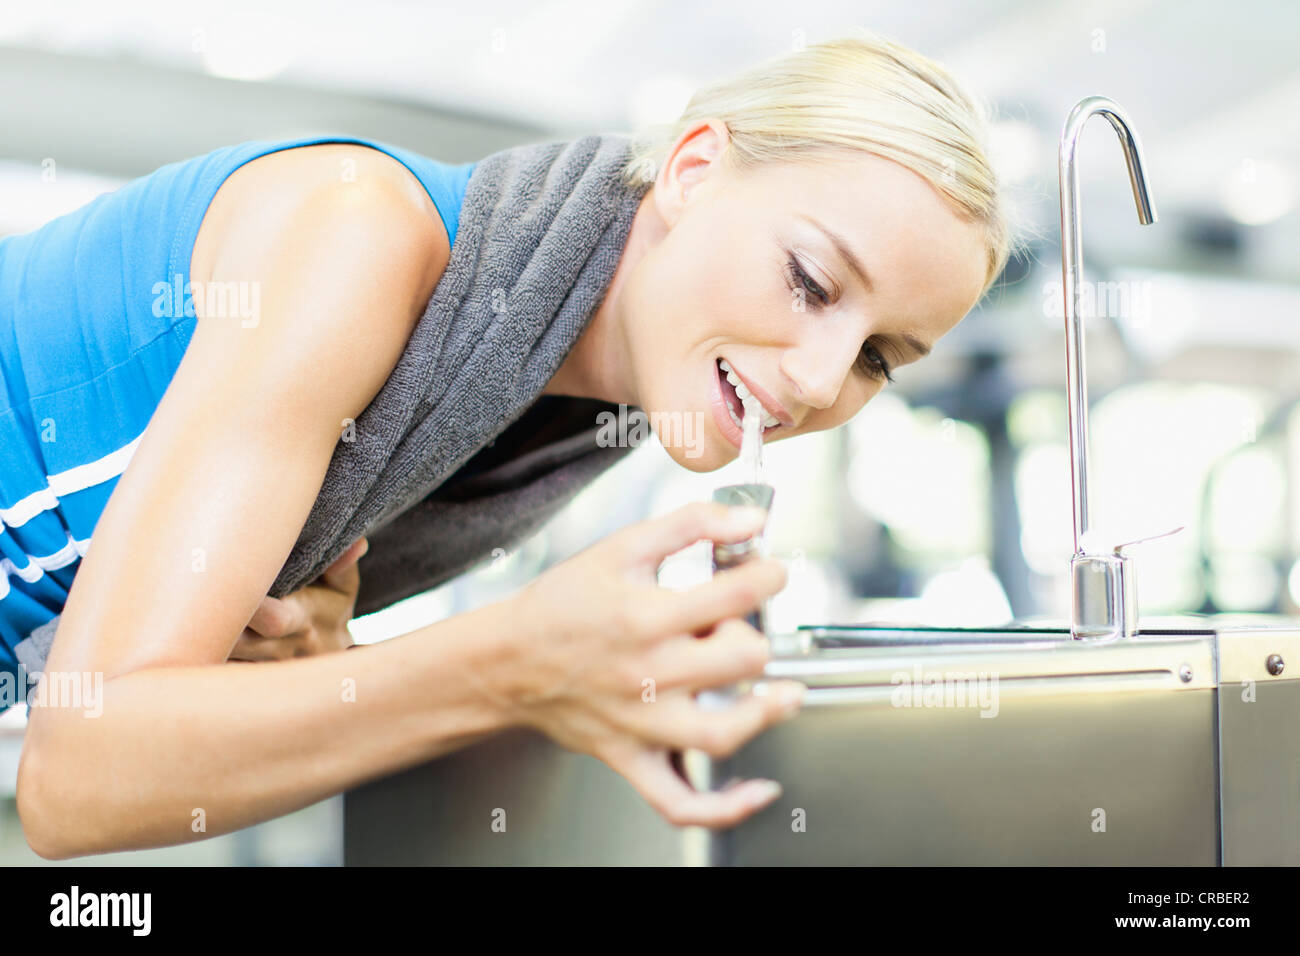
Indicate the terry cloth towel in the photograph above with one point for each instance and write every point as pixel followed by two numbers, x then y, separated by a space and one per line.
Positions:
pixel 542 229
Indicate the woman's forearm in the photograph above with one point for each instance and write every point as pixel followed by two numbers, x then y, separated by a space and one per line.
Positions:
pixel 180 754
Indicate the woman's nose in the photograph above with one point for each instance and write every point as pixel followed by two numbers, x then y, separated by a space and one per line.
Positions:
pixel 817 371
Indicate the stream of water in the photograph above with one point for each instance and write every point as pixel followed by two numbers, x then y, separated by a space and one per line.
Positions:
pixel 751 448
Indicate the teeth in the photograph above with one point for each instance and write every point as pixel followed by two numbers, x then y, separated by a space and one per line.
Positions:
pixel 768 419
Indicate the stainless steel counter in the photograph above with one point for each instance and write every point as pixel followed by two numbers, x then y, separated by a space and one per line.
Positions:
pixel 921 745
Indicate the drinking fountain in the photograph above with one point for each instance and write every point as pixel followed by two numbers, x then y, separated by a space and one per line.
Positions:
pixel 1107 738
pixel 1103 588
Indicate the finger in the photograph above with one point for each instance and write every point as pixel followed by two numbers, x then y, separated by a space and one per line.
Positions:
pixel 251 646
pixel 652 774
pixel 279 617
pixel 343 574
pixel 734 651
pixel 733 592
pixel 720 733
pixel 654 539
pixel 677 720
pixel 254 647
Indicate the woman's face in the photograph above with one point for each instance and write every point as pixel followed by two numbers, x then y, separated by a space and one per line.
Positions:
pixel 717 276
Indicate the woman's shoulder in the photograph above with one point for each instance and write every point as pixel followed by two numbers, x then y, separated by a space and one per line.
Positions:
pixel 300 189
pixel 338 251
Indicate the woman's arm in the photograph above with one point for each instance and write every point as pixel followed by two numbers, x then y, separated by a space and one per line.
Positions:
pixel 185 753
pixel 200 523
pixel 311 620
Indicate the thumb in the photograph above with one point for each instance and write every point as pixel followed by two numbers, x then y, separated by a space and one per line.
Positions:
pixel 279 617
pixel 336 575
pixel 654 539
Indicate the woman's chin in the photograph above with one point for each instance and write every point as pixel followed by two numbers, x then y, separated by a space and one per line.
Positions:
pixel 700 457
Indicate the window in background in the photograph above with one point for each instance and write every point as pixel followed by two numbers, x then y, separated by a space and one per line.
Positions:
pixel 925 478
pixel 1153 447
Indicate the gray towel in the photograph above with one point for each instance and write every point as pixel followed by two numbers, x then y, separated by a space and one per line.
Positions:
pixel 542 229
pixel 463 521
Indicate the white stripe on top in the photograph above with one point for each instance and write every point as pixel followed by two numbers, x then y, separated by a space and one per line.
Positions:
pixel 77 478
pixel 74 479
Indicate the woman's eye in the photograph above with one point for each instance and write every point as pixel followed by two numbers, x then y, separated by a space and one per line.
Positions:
pixel 873 363
pixel 870 361
pixel 806 283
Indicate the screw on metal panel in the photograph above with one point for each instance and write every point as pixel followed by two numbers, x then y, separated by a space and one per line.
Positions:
pixel 1275 664
pixel 1185 673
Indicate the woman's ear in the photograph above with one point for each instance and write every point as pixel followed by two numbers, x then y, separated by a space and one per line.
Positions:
pixel 690 161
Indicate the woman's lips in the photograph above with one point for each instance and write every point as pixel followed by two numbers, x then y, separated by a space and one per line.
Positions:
pixel 725 396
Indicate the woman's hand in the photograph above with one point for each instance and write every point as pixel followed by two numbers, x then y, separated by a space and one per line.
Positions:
pixel 312 620
pixel 612 661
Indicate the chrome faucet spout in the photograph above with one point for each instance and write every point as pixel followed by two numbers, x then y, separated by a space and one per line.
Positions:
pixel 1104 595
pixel 1072 275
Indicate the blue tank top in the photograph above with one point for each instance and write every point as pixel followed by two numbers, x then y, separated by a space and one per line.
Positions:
pixel 95 315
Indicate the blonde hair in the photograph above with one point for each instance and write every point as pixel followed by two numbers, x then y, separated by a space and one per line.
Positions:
pixel 861 92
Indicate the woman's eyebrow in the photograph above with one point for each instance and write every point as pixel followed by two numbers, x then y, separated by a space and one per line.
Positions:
pixel 916 343
pixel 845 252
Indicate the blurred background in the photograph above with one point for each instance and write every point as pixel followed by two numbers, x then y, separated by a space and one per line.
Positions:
pixel 946 501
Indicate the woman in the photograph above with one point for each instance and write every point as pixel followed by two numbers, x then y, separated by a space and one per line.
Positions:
pixel 816 223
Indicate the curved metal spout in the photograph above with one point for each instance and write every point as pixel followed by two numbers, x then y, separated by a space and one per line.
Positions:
pixel 1072 270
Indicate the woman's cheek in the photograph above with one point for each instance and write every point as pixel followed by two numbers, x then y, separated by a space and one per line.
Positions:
pixel 858 394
